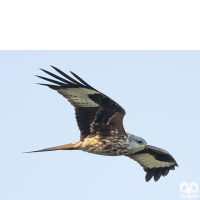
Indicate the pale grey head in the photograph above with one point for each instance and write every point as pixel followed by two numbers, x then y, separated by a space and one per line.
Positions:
pixel 137 143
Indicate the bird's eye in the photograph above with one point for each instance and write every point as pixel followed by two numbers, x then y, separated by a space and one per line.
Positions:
pixel 140 142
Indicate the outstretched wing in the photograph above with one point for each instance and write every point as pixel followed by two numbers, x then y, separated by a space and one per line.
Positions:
pixel 95 112
pixel 155 162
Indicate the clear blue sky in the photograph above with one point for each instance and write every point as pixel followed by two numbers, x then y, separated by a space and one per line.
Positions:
pixel 160 91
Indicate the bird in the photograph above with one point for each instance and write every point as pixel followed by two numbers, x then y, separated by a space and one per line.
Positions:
pixel 100 121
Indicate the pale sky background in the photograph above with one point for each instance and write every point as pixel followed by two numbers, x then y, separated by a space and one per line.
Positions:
pixel 160 91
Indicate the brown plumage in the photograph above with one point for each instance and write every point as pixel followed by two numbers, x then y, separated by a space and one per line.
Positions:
pixel 100 121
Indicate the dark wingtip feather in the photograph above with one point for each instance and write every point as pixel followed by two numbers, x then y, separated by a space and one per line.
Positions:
pixel 148 178
pixel 55 68
pixel 51 80
pixel 157 174
pixel 43 70
pixel 172 168
pixel 57 77
pixel 54 87
pixel 149 174
pixel 68 77
pixel 81 80
pixel 165 171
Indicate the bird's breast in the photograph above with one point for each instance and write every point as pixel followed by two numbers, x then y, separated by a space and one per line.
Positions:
pixel 110 146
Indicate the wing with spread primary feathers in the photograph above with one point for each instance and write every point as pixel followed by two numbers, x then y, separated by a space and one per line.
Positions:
pixel 155 162
pixel 95 112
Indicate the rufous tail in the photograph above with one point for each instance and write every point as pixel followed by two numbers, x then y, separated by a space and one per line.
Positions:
pixel 71 146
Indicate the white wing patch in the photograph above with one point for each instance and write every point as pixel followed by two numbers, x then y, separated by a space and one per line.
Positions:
pixel 78 97
pixel 147 160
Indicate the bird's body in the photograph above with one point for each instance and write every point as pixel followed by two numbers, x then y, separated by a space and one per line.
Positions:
pixel 99 119
pixel 108 146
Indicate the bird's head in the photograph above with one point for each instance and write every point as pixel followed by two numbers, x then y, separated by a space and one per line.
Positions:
pixel 137 143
